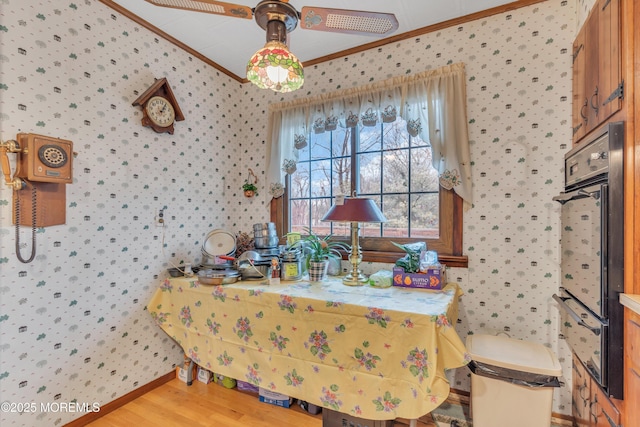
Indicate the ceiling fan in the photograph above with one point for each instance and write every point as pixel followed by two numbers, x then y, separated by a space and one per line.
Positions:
pixel 275 67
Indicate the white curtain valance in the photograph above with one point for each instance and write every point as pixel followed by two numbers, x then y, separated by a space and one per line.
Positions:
pixel 433 103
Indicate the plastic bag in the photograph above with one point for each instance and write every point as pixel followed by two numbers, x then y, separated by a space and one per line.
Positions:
pixel 411 261
pixel 527 379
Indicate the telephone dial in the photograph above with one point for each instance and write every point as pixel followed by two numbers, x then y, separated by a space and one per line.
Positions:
pixel 43 168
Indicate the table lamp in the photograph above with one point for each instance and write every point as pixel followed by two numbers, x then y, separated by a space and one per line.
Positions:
pixel 354 210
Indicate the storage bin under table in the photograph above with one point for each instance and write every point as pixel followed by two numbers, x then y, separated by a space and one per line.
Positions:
pixel 512 382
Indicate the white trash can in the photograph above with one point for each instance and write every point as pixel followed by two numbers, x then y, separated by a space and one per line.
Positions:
pixel 512 382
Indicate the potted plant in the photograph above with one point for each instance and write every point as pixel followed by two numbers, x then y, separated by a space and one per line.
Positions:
pixel 249 186
pixel 319 251
pixel 250 189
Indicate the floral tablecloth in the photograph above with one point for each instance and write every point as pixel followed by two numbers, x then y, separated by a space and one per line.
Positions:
pixel 372 353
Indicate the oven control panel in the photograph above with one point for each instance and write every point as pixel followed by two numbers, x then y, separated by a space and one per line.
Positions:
pixel 585 162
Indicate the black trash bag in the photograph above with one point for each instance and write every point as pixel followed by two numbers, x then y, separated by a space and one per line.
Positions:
pixel 527 379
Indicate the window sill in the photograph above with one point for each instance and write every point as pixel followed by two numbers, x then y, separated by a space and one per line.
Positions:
pixel 392 257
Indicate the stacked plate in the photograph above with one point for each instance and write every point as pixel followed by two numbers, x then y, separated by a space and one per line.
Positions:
pixel 216 244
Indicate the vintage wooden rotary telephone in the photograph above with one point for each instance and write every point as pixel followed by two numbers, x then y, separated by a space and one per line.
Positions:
pixel 43 167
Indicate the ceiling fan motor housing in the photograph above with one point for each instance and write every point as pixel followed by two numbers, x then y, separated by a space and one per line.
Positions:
pixel 277 18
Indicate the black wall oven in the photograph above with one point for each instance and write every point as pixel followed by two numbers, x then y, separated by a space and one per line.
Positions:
pixel 592 256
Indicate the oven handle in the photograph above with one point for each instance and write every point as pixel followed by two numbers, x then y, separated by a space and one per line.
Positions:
pixel 592 191
pixel 574 316
pixel 594 194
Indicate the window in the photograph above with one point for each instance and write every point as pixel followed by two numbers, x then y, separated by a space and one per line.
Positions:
pixel 357 140
pixel 391 167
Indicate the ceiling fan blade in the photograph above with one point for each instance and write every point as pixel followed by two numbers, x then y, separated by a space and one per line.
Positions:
pixel 207 6
pixel 348 21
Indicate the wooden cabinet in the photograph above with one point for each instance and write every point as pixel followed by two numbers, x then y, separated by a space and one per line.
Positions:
pixel 597 81
pixel 579 99
pixel 591 407
pixel 632 368
pixel 602 412
pixel 580 395
pixel 609 89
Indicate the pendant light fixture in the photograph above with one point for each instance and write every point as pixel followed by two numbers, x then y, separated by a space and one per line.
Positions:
pixel 274 66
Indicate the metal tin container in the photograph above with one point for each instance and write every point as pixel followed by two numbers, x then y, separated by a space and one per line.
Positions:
pixel 266 242
pixel 265 226
pixel 291 265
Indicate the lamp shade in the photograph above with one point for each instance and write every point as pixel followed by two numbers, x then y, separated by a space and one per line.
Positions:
pixel 275 67
pixel 356 209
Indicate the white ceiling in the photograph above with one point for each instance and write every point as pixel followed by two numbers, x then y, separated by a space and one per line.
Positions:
pixel 230 42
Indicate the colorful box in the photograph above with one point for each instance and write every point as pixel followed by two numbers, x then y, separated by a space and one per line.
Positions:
pixel 268 396
pixel 293 238
pixel 433 278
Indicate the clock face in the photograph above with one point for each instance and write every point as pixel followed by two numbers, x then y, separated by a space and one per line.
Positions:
pixel 160 111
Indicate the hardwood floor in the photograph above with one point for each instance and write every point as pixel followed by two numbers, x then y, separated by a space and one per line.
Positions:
pixel 176 404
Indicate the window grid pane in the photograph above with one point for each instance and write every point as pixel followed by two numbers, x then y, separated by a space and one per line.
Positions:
pixel 318 178
pixel 393 168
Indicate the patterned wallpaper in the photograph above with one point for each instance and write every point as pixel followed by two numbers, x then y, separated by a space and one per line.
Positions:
pixel 72 323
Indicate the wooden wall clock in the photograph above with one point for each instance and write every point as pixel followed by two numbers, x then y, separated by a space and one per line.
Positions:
pixel 160 109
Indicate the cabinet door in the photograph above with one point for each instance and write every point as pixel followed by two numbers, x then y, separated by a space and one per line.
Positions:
pixel 632 368
pixel 603 413
pixel 580 396
pixel 579 99
pixel 609 73
pixel 632 411
pixel 592 66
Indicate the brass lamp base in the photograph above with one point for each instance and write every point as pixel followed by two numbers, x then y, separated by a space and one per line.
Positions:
pixel 357 279
pixel 354 210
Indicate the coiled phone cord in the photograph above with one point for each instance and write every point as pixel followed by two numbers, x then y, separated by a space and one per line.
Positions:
pixel 33 225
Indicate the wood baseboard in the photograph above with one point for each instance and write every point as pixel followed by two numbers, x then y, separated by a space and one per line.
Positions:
pixel 123 400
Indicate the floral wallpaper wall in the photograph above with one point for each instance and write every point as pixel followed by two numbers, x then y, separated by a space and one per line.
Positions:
pixel 519 108
pixel 72 323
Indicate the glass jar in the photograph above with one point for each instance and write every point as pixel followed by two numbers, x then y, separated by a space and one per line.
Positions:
pixel 291 268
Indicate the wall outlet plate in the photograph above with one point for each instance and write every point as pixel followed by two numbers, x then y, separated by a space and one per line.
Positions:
pixel 159 219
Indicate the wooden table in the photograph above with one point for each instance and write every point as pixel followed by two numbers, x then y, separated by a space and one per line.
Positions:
pixel 371 353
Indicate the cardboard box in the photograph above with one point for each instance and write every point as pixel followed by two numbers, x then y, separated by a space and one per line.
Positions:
pixel 434 278
pixel 186 375
pixel 204 375
pixel 337 419
pixel 268 396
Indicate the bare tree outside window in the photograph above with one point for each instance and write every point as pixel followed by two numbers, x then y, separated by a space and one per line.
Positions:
pixel 388 164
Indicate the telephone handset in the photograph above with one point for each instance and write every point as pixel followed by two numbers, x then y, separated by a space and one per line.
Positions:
pixel 43 167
